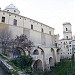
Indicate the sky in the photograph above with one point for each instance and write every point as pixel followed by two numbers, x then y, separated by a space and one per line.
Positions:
pixel 50 12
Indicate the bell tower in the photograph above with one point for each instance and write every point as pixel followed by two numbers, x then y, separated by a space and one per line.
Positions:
pixel 67 33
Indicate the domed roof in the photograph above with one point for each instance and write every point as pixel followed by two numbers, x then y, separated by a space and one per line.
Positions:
pixel 11 6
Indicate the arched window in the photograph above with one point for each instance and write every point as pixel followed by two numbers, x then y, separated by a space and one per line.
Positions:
pixel 42 29
pixel 36 52
pixel 67 37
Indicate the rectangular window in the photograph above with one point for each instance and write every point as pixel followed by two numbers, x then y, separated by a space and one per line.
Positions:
pixel 56 44
pixel 67 37
pixel 15 22
pixel 31 26
pixel 42 29
pixel 69 42
pixel 3 19
pixel 50 32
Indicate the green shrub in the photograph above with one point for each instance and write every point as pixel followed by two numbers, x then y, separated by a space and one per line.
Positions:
pixel 22 61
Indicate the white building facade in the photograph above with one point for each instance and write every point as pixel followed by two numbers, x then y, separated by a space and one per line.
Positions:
pixel 46 52
pixel 66 43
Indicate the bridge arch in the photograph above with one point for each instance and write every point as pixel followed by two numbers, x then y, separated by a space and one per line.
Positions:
pixel 37 66
pixel 51 62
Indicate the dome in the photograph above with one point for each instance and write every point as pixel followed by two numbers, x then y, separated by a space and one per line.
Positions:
pixel 11 8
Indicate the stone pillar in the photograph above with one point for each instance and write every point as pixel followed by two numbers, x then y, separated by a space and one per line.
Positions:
pixel 57 55
pixel 55 51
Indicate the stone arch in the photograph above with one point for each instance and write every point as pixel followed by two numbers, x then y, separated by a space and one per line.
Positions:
pixel 58 55
pixel 37 66
pixel 43 54
pixel 51 62
pixel 36 52
pixel 53 54
pixel 42 51
pixel 39 51
pixel 58 51
pixel 18 51
pixel 52 49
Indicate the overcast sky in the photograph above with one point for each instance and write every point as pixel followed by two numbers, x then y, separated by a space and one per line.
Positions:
pixel 50 12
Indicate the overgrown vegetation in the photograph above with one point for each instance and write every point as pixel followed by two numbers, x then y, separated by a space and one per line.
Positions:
pixel 65 67
pixel 22 63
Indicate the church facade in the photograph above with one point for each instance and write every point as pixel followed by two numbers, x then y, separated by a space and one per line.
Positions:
pixel 45 53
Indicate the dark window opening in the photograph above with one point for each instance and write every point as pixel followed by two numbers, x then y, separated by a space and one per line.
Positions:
pixel 69 42
pixel 50 32
pixel 7 10
pixel 70 45
pixel 64 42
pixel 42 29
pixel 31 26
pixel 67 37
pixel 15 22
pixel 36 52
pixel 14 10
pixel 3 19
pixel 56 44
pixel 66 29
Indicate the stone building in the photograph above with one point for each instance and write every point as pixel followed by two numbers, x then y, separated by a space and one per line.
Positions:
pixel 45 53
pixel 66 43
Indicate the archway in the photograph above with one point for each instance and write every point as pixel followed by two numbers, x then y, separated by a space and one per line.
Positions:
pixel 18 51
pixel 58 51
pixel 51 62
pixel 37 66
pixel 36 52
pixel 43 54
pixel 53 54
pixel 58 55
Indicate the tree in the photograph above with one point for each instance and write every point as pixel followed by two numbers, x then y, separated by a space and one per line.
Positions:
pixel 5 38
pixel 22 42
